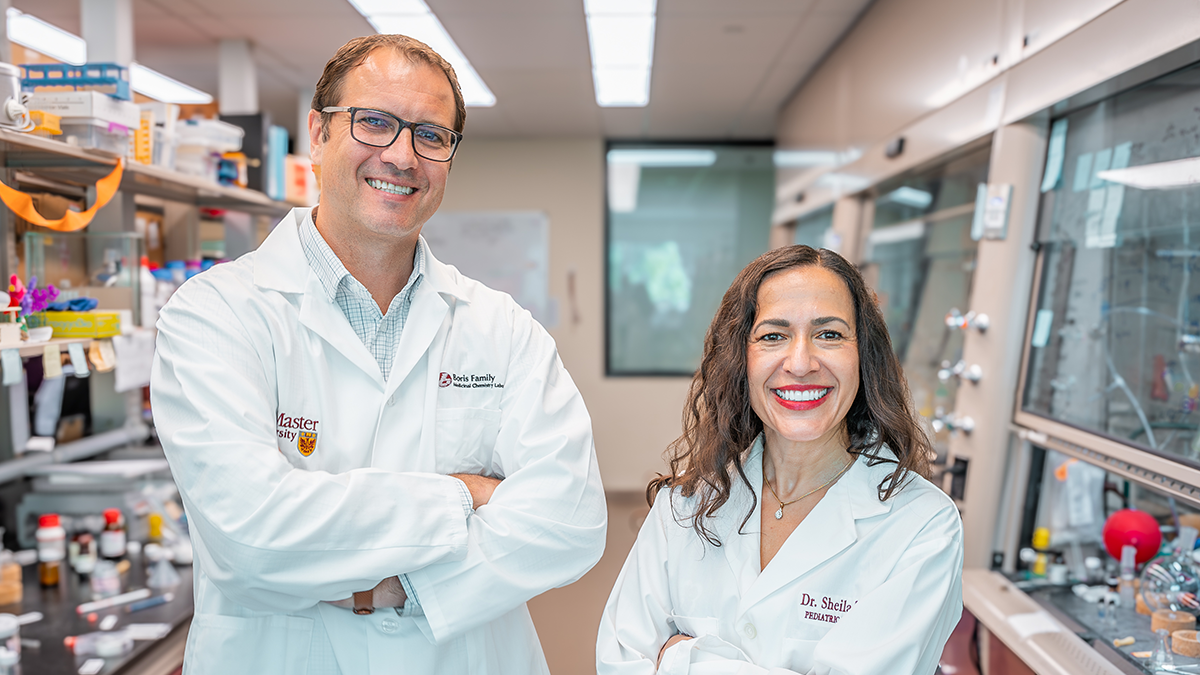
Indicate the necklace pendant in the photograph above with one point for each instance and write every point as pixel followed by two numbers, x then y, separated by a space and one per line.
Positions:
pixel 779 513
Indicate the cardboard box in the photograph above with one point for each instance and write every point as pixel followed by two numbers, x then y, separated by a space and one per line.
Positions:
pixel 94 324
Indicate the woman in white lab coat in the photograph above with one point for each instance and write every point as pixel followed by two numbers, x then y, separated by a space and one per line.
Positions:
pixel 797 531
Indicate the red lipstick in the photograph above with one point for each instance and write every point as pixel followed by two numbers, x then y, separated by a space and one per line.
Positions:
pixel 801 405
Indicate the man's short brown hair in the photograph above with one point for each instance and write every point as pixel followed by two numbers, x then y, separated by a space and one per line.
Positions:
pixel 353 53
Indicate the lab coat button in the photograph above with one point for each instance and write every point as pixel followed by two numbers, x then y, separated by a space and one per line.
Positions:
pixel 389 625
pixel 750 631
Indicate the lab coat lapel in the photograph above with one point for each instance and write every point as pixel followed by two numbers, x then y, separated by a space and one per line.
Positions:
pixel 279 265
pixel 326 319
pixel 740 544
pixel 827 531
pixel 425 317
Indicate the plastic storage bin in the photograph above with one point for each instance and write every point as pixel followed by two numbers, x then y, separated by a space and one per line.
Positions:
pixel 201 144
pixel 96 134
pixel 84 104
pixel 105 78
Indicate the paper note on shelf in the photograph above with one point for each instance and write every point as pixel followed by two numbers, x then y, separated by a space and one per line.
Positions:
pixel 134 355
pixel 10 359
pixel 1102 162
pixel 1055 155
pixel 51 361
pixel 78 359
pixel 1083 172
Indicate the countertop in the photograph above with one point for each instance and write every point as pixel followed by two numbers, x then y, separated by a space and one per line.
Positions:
pixel 58 605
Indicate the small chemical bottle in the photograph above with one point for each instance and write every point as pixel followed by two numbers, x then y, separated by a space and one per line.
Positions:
pixel 86 561
pixel 154 523
pixel 1041 542
pixel 112 539
pixel 1128 581
pixel 52 549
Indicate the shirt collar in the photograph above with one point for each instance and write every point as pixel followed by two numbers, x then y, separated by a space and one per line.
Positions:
pixel 329 268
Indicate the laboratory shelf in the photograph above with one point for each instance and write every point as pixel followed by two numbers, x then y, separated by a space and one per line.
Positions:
pixel 39 348
pixel 43 163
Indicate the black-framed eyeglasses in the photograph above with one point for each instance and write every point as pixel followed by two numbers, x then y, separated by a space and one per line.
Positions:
pixel 379 129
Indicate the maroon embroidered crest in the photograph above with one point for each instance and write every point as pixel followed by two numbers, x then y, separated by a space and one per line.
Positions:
pixel 445 379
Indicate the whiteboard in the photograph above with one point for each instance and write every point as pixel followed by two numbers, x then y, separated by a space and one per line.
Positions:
pixel 505 250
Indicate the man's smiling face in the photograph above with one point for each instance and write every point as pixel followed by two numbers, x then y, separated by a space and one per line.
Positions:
pixel 391 192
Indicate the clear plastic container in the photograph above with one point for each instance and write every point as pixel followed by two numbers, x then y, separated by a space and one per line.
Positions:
pixel 91 133
pixel 211 135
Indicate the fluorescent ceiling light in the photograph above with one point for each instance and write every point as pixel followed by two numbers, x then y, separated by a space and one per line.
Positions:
pixel 30 31
pixel 842 183
pixel 150 82
pixel 664 157
pixel 621 37
pixel 803 159
pixel 907 196
pixel 1180 173
pixel 897 233
pixel 414 19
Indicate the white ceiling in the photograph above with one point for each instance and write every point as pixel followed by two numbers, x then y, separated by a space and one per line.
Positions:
pixel 722 68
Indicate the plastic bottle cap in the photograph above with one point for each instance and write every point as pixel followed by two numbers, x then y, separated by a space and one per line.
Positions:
pixel 1041 537
pixel 48 520
pixel 112 516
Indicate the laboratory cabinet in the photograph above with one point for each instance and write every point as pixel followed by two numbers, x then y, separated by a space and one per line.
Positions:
pixel 920 259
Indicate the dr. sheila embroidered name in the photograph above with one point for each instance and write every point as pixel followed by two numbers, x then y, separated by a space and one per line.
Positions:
pixel 827 603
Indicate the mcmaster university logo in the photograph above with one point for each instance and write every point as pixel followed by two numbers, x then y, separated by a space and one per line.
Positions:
pixel 302 430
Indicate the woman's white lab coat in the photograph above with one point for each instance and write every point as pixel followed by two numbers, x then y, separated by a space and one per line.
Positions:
pixel 860 587
pixel 307 477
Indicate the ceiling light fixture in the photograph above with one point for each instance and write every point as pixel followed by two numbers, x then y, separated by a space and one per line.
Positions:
pixel 663 157
pixel 907 196
pixel 30 31
pixel 414 19
pixel 621 35
pixel 150 82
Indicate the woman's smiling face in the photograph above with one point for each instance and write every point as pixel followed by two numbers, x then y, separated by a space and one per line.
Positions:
pixel 802 357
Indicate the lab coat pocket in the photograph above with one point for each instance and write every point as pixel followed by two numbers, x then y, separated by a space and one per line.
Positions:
pixel 465 439
pixel 798 654
pixel 696 626
pixel 231 645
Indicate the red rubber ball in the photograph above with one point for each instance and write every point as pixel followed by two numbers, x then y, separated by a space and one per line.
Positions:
pixel 1130 527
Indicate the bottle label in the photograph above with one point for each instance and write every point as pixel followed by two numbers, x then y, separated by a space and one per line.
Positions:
pixel 112 543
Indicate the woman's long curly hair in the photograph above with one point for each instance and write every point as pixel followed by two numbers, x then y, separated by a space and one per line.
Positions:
pixel 719 425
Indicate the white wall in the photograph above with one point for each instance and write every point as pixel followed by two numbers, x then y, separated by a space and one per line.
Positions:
pixel 634 418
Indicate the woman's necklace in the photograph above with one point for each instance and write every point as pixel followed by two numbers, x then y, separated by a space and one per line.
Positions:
pixel 779 511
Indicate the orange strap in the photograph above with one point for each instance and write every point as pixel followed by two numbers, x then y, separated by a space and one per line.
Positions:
pixel 22 204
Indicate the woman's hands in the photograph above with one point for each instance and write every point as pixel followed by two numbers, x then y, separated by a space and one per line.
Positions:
pixel 679 637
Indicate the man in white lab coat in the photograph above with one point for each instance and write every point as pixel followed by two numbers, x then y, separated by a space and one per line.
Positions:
pixel 381 460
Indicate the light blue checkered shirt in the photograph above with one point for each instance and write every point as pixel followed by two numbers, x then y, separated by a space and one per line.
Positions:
pixel 378 331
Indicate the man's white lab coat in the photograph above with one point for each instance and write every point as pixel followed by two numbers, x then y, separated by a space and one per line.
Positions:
pixel 307 477
pixel 860 587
